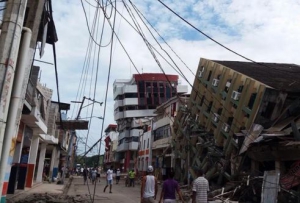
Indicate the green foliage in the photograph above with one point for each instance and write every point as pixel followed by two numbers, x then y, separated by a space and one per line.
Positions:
pixel 92 161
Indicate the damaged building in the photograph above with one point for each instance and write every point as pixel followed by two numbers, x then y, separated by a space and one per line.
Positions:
pixel 241 127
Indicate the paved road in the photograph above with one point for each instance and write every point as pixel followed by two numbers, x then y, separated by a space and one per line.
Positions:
pixel 120 193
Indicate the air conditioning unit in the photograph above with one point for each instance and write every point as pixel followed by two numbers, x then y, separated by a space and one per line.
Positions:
pixel 226 127
pixel 235 95
pixel 200 74
pixel 228 84
pixel 215 82
pixel 216 117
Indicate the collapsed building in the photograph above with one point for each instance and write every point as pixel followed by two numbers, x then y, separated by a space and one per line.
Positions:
pixel 241 127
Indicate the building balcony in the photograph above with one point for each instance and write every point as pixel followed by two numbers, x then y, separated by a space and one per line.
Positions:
pixel 139 113
pixel 34 120
pixel 130 101
pixel 128 146
pixel 130 89
pixel 118 115
pixel 49 139
pixel 122 135
pixel 118 90
pixel 161 143
pixel 182 89
pixel 135 132
pixel 118 103
pixel 133 145
pixel 161 122
pixel 122 147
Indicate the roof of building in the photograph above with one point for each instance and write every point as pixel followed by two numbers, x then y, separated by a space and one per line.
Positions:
pixel 280 76
pixel 161 108
pixel 110 126
pixel 155 77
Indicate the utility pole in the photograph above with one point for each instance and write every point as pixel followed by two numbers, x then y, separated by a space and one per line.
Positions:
pixel 71 142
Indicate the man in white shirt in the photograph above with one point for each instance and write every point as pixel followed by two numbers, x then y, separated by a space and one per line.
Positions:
pixel 200 189
pixel 149 187
pixel 109 178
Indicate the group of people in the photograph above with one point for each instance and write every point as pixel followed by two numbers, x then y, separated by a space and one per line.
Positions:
pixel 149 189
pixel 149 186
pixel 92 173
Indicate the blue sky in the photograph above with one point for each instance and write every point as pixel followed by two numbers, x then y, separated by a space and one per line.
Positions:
pixel 263 30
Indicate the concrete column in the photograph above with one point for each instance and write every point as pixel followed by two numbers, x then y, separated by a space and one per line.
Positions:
pixel 17 154
pixel 32 159
pixel 39 177
pixel 53 160
pixel 56 164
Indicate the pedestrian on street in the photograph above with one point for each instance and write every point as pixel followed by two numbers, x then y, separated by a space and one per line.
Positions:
pixel 131 177
pixel 200 188
pixel 149 187
pixel 109 178
pixel 85 175
pixel 118 175
pixel 94 175
pixel 98 173
pixel 170 187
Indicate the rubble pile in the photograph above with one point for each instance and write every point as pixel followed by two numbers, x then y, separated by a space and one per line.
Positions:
pixel 54 198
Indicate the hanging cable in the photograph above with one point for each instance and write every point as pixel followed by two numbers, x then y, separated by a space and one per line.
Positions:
pixel 107 87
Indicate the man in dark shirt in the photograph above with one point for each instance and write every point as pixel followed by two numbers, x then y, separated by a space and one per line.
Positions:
pixel 170 186
pixel 84 174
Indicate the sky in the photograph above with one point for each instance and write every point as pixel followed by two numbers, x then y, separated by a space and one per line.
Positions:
pixel 263 30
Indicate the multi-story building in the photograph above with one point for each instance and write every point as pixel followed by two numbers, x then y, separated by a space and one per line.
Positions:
pixel 136 98
pixel 229 97
pixel 111 143
pixel 162 155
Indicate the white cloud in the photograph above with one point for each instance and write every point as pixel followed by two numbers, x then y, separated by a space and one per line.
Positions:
pixel 261 30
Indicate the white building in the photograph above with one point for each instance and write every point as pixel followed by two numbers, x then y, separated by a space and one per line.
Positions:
pixel 136 99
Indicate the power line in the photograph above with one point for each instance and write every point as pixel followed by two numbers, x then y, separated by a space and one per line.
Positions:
pixel 219 43
pixel 107 86
pixel 197 94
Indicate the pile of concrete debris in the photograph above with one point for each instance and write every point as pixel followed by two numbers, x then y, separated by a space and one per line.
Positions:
pixel 54 198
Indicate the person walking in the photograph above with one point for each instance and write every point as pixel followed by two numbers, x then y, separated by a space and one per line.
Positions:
pixel 170 186
pixel 149 187
pixel 85 175
pixel 200 188
pixel 109 178
pixel 118 175
pixel 131 177
pixel 98 173
pixel 94 175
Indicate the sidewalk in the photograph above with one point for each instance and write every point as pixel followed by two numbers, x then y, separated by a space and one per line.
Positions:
pixel 37 188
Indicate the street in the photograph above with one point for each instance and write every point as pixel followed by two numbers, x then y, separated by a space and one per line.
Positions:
pixel 119 194
pixel 80 193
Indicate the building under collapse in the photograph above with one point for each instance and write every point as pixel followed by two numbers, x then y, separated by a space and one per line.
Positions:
pixel 241 127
